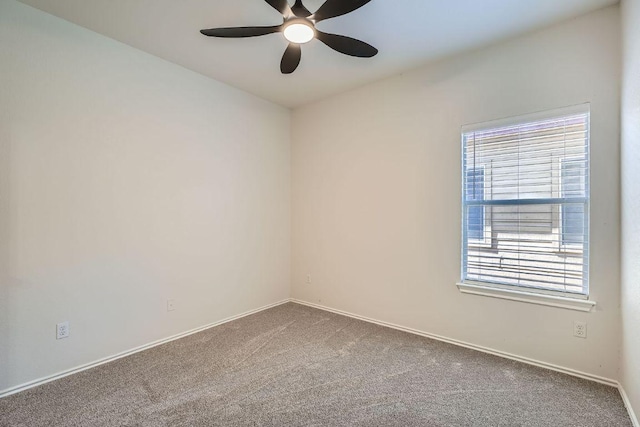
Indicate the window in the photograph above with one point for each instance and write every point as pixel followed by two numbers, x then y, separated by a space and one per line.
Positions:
pixel 526 203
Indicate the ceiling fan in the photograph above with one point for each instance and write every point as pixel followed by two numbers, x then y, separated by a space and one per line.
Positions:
pixel 299 27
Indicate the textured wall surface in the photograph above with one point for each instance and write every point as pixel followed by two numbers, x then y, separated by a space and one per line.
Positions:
pixel 630 355
pixel 126 181
pixel 377 188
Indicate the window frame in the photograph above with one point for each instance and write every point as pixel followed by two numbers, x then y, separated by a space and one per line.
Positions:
pixel 563 249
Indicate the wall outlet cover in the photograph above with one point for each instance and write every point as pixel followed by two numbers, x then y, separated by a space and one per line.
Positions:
pixel 62 330
pixel 580 329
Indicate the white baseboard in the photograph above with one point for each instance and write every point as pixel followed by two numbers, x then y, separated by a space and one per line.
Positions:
pixel 584 375
pixel 529 361
pixel 627 404
pixel 49 378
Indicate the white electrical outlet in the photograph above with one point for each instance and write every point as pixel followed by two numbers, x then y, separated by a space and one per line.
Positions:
pixel 308 279
pixel 62 330
pixel 580 329
pixel 171 305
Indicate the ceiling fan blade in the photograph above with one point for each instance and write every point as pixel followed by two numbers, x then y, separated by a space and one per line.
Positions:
pixel 281 6
pixel 241 31
pixel 291 58
pixel 347 45
pixel 333 8
pixel 299 10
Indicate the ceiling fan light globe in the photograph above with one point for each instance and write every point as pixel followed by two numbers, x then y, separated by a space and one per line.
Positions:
pixel 299 33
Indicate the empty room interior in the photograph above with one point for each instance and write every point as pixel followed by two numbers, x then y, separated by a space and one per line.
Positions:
pixel 319 213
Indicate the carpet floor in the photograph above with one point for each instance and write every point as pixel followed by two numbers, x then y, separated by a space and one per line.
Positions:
pixel 293 365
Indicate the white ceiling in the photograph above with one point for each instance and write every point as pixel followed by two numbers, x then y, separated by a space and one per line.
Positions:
pixel 407 33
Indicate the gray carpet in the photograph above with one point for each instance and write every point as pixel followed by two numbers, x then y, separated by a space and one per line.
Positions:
pixel 297 366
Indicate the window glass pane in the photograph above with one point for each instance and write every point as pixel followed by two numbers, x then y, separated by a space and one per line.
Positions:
pixel 475 191
pixel 572 224
pixel 573 184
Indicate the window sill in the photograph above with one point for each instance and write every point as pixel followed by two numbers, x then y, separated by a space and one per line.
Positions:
pixel 527 297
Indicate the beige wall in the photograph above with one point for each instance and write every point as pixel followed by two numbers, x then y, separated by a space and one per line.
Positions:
pixel 376 192
pixel 124 181
pixel 630 360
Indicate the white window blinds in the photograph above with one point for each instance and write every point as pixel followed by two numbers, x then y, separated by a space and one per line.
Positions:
pixel 526 203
